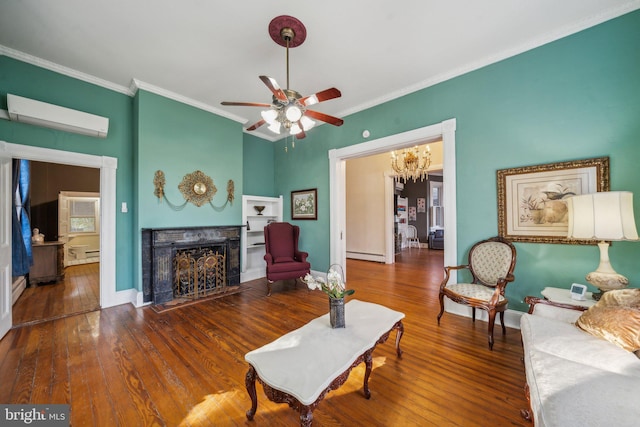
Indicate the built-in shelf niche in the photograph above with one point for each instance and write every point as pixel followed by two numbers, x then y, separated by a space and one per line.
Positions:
pixel 253 264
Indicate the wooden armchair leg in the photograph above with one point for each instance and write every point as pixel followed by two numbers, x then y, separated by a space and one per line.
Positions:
pixel 441 297
pixel 492 320
pixel 504 330
pixel 269 287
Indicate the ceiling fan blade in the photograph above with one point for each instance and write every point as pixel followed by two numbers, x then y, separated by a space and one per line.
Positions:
pixel 246 104
pixel 300 134
pixel 321 96
pixel 324 117
pixel 256 125
pixel 274 88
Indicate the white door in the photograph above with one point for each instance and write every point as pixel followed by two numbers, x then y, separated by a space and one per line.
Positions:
pixel 5 244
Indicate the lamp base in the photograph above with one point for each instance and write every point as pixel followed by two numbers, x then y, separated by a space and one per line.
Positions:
pixel 606 282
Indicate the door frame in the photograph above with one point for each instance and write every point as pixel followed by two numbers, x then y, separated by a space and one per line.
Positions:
pixel 6 294
pixel 444 131
pixel 108 167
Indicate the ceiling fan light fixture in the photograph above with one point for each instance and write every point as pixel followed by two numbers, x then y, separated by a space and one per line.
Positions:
pixel 275 127
pixel 295 129
pixel 293 113
pixel 270 116
pixel 307 123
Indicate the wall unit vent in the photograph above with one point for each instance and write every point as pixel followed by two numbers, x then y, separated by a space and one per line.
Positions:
pixel 39 113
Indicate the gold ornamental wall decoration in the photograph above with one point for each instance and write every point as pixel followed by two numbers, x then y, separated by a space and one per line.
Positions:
pixel 196 187
pixel 158 183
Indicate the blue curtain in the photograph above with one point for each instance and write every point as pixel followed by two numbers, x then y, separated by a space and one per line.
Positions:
pixel 21 225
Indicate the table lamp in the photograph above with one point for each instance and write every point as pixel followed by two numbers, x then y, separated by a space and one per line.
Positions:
pixel 604 216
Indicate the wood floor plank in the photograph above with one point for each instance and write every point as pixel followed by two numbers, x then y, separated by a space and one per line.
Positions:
pixel 151 382
pixel 78 292
pixel 185 367
pixel 79 376
pixel 60 386
pixel 41 389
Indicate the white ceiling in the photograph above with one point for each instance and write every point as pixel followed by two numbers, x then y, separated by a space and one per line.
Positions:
pixel 203 52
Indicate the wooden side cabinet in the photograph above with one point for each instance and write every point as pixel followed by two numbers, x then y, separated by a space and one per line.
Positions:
pixel 48 263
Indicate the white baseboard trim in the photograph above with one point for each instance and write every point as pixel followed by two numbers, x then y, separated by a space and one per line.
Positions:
pixel 253 274
pixel 511 317
pixel 18 287
pixel 366 257
pixel 123 297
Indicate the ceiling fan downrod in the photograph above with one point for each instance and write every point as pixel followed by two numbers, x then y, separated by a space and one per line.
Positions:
pixel 287 35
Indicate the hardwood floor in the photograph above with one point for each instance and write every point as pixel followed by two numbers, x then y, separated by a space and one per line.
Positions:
pixel 185 367
pixel 79 292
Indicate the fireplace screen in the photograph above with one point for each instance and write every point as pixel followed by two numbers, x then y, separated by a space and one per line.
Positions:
pixel 199 272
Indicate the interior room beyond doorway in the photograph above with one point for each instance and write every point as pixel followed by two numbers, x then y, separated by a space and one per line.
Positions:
pixel 65 208
pixel 366 204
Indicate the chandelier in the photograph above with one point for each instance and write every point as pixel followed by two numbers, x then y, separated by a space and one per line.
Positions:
pixel 411 163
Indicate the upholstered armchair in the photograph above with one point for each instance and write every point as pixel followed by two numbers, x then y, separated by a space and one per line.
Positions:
pixel 284 260
pixel 436 239
pixel 491 264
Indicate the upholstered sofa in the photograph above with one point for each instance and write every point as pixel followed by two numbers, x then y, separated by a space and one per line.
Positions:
pixel 573 377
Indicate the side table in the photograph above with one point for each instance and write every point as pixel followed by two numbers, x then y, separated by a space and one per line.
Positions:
pixel 563 296
pixel 48 265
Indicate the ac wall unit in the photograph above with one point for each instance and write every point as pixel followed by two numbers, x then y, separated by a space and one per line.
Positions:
pixel 39 113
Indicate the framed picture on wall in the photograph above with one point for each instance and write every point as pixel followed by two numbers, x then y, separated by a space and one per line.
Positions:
pixel 412 213
pixel 304 204
pixel 532 203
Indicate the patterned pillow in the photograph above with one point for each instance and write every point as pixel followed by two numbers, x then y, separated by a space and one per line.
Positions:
pixel 616 318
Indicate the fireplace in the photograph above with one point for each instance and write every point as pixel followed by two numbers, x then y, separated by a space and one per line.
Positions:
pixel 189 262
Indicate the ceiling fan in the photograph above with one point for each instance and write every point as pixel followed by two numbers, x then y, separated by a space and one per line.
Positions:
pixel 289 110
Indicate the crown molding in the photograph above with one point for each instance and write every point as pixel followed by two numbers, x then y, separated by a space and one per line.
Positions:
pixel 61 69
pixel 129 91
pixel 139 84
pixel 568 30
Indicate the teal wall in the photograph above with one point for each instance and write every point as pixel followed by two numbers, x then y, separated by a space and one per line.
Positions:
pixel 258 166
pixel 179 139
pixel 26 80
pixel 576 98
pixel 146 133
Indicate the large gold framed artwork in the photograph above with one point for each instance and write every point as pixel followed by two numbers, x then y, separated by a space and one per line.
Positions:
pixel 532 199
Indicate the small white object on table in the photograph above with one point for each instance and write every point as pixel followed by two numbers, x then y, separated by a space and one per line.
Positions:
pixel 563 296
pixel 301 367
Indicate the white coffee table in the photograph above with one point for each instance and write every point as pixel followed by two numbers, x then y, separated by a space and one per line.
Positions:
pixel 301 367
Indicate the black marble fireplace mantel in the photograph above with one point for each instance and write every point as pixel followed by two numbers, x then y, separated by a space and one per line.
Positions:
pixel 159 246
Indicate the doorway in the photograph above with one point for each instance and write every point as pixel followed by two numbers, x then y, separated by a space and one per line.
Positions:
pixel 65 202
pixel 107 166
pixel 444 131
pixel 365 201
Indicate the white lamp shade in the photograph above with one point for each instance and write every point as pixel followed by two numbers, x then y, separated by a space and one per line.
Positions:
pixel 295 129
pixel 602 216
pixel 269 116
pixel 275 127
pixel 293 113
pixel 307 123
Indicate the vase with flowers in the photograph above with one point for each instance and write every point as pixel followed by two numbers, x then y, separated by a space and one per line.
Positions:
pixel 335 288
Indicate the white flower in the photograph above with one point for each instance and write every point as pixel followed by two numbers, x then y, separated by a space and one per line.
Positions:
pixel 334 285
